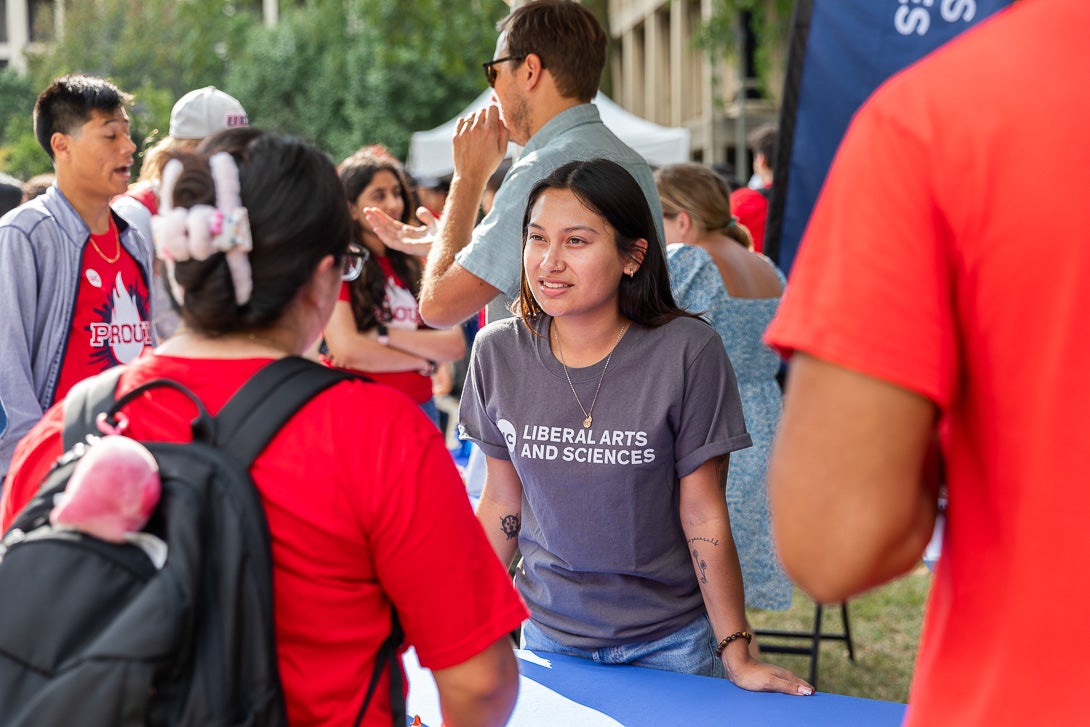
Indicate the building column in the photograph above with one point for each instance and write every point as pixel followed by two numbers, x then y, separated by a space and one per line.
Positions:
pixel 656 73
pixel 18 33
pixel 707 91
pixel 679 39
pixel 631 76
pixel 271 12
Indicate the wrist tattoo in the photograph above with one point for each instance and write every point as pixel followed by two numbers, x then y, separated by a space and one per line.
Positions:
pixel 511 525
pixel 713 541
pixel 701 565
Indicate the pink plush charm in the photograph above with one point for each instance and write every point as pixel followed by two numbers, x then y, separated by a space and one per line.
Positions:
pixel 112 491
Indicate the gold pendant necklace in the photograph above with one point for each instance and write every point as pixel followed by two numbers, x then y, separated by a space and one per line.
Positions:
pixel 588 420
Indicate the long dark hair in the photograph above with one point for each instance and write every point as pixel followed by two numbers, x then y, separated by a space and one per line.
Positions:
pixel 368 292
pixel 604 187
pixel 297 216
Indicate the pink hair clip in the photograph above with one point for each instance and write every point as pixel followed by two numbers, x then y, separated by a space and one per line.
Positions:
pixel 215 223
pixel 198 232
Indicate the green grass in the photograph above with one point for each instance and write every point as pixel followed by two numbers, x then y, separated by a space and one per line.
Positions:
pixel 885 626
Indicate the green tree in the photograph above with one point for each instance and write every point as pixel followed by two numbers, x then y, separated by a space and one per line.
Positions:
pixel 347 73
pixel 770 21
pixel 155 49
pixel 20 154
pixel 342 73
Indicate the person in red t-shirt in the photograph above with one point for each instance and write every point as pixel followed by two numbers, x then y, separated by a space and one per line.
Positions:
pixel 376 327
pixel 364 505
pixel 751 205
pixel 920 312
pixel 75 292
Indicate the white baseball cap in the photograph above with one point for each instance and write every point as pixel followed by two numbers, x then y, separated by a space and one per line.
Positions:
pixel 205 111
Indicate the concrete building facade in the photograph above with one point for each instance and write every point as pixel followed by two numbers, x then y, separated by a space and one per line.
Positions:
pixel 658 72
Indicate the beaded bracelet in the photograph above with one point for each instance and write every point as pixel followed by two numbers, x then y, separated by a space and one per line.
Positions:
pixel 736 635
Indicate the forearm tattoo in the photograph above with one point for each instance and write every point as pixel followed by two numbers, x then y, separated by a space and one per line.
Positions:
pixel 511 525
pixel 699 563
pixel 701 566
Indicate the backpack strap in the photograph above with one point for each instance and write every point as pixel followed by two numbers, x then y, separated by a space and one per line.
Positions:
pixel 97 395
pixel 244 428
pixel 247 422
pixel 257 411
pixel 387 655
pixel 85 401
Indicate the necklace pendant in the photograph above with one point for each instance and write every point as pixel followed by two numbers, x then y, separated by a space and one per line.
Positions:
pixel 587 422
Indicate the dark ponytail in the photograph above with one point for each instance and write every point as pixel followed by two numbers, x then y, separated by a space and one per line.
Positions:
pixel 297 213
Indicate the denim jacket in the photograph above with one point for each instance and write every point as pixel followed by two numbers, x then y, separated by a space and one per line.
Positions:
pixel 41 248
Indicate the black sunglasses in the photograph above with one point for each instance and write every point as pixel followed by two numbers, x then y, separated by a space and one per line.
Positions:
pixel 490 71
pixel 354 259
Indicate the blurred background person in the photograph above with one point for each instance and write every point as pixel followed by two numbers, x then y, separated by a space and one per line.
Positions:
pixel 11 193
pixel 431 193
pixel 196 115
pixel 491 187
pixel 37 185
pixel 376 328
pixel 714 273
pixel 750 203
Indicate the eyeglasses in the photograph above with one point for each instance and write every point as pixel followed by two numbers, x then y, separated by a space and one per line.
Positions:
pixel 490 71
pixel 354 258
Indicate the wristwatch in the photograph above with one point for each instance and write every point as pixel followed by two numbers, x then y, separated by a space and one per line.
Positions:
pixel 383 334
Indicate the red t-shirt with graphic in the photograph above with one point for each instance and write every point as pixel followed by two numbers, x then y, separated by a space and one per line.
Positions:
pixel 110 323
pixel 406 315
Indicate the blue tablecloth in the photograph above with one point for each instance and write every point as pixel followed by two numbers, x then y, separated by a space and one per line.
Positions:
pixel 570 692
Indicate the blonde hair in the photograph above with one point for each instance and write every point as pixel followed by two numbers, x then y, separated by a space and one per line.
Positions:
pixel 702 194
pixel 156 157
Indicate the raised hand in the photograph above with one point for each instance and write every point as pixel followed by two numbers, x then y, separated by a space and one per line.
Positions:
pixel 410 239
pixel 480 144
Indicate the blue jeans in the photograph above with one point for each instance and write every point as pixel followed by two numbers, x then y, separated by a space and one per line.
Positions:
pixel 689 650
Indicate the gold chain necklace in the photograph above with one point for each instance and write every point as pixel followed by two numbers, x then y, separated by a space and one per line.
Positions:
pixel 117 255
pixel 587 412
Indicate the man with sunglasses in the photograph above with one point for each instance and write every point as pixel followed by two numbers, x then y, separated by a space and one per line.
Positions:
pixel 547 68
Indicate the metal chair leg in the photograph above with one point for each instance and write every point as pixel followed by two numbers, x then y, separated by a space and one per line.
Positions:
pixel 847 630
pixel 815 644
pixel 814 637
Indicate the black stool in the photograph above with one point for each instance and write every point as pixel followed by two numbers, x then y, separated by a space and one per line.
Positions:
pixel 814 637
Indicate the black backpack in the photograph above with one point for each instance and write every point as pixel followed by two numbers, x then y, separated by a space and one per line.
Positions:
pixel 93 633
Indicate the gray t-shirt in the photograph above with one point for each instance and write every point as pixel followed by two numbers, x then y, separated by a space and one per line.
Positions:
pixel 605 560
pixel 495 252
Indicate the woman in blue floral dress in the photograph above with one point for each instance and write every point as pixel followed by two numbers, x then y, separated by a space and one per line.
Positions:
pixel 713 271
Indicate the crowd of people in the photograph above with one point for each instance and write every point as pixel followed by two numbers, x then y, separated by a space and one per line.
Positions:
pixel 623 399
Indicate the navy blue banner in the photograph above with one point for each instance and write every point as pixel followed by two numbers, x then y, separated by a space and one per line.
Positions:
pixel 841 51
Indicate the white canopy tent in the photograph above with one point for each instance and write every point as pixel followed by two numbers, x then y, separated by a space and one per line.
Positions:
pixel 430 152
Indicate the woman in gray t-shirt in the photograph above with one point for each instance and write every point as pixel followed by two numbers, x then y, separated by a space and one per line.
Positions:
pixel 607 415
